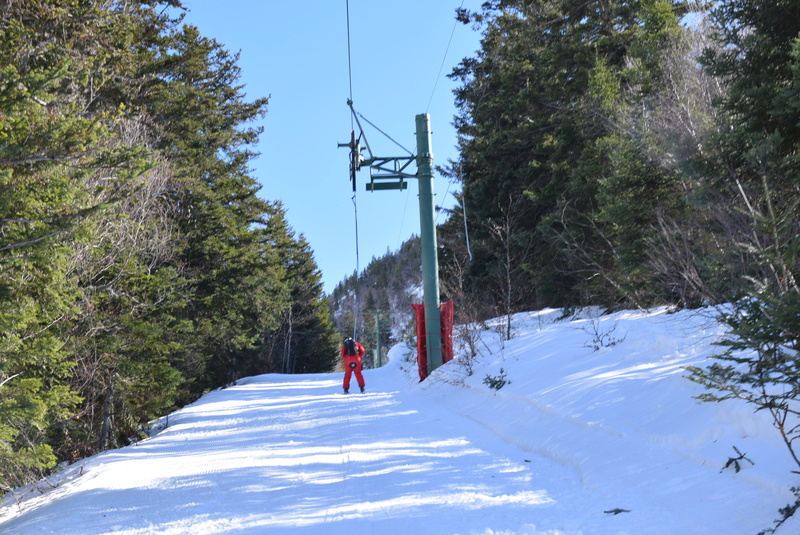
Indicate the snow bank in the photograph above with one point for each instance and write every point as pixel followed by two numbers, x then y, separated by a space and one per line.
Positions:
pixel 595 432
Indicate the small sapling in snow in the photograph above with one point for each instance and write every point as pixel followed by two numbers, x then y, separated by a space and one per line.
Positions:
pixel 734 461
pixel 496 382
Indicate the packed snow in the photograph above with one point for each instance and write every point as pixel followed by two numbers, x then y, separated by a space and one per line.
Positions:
pixel 594 432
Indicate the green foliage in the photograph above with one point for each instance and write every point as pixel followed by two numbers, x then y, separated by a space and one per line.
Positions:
pixel 304 340
pixel 27 407
pixel 761 364
pixel 496 382
pixel 786 512
pixel 384 286
pixel 560 200
pixel 62 166
pixel 138 266
pixel 759 149
pixel 760 58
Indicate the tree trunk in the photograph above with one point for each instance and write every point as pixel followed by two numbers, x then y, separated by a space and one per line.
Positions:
pixel 108 414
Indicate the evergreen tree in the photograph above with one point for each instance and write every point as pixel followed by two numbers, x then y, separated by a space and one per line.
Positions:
pixel 127 284
pixel 305 341
pixel 199 112
pixel 759 55
pixel 139 266
pixel 546 181
pixel 64 164
pixel 392 282
pixel 759 142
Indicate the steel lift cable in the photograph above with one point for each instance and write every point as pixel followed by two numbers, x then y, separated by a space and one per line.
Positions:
pixel 444 58
pixel 357 313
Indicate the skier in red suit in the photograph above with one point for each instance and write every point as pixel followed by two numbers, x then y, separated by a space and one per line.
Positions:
pixel 352 352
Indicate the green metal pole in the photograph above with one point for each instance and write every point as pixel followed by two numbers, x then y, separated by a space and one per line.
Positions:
pixel 430 260
pixel 378 339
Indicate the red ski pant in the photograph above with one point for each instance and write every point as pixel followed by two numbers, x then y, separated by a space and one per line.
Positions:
pixel 349 369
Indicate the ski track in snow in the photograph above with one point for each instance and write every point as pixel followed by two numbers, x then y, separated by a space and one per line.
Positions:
pixel 289 456
pixel 576 434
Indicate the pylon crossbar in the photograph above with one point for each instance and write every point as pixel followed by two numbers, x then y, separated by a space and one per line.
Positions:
pixel 382 167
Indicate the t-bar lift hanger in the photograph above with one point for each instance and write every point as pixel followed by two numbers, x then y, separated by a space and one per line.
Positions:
pixel 381 169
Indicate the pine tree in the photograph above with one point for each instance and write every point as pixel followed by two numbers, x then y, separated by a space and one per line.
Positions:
pixel 305 340
pixel 759 55
pixel 139 265
pixel 559 200
pixel 64 165
pixel 315 343
pixel 200 114
pixel 127 285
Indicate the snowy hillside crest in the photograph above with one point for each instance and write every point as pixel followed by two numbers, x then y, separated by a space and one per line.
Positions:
pixel 596 430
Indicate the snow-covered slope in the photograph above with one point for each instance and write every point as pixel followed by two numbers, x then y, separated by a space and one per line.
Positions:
pixel 596 433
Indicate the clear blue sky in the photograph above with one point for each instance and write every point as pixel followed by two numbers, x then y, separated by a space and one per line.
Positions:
pixel 296 53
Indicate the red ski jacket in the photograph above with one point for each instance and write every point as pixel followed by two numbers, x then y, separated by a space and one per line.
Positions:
pixel 354 358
